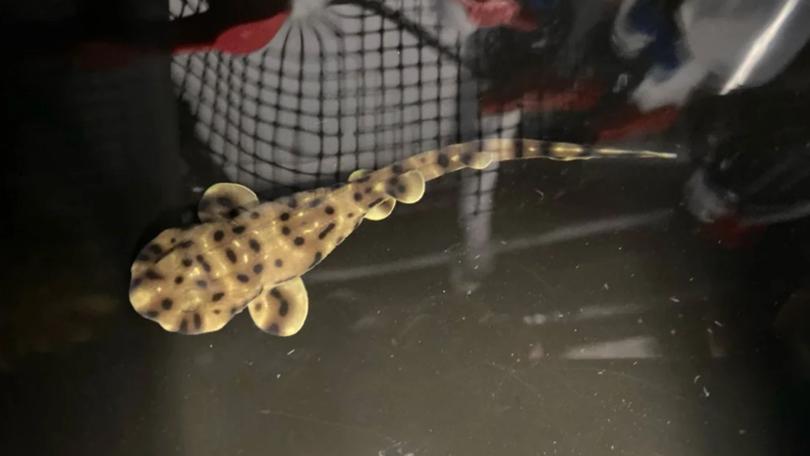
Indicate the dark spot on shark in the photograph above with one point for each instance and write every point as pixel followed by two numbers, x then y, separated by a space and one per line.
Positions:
pixel 358 196
pixel 466 158
pixel 156 249
pixel 185 244
pixel 217 296
pixel 231 255
pixel 225 201
pixel 218 235
pixel 315 203
pixel 197 321
pixel 242 278
pixel 178 280
pixel 254 245
pixel 284 216
pixel 183 326
pixel 238 229
pixel 545 148
pixel 279 262
pixel 375 202
pixel 187 262
pixel 258 268
pixel 203 263
pixel 316 260
pixel 166 303
pixel 443 160
pixel 326 230
pixel 329 210
pixel 152 275
pixel 299 241
pixel 285 230
pixel 283 307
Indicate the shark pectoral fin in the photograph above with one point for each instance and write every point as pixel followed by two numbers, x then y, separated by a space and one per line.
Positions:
pixel 183 312
pixel 408 187
pixel 225 201
pixel 281 310
pixel 481 160
pixel 360 173
pixel 382 210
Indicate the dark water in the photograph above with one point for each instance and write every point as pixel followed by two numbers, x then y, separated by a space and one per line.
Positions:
pixel 599 317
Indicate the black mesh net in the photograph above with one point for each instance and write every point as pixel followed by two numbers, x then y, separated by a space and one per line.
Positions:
pixel 348 86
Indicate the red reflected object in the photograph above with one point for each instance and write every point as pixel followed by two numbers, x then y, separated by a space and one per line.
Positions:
pixel 728 232
pixel 582 97
pixel 494 13
pixel 634 123
pixel 102 55
pixel 241 38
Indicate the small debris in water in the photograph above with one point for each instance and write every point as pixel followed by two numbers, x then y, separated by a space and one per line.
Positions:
pixel 606 286
pixel 535 319
pixel 537 352
pixel 674 299
pixel 290 352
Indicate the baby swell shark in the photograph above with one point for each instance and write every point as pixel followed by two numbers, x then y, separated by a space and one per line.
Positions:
pixel 251 254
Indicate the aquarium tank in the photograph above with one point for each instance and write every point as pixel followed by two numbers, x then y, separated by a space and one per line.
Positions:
pixel 406 227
